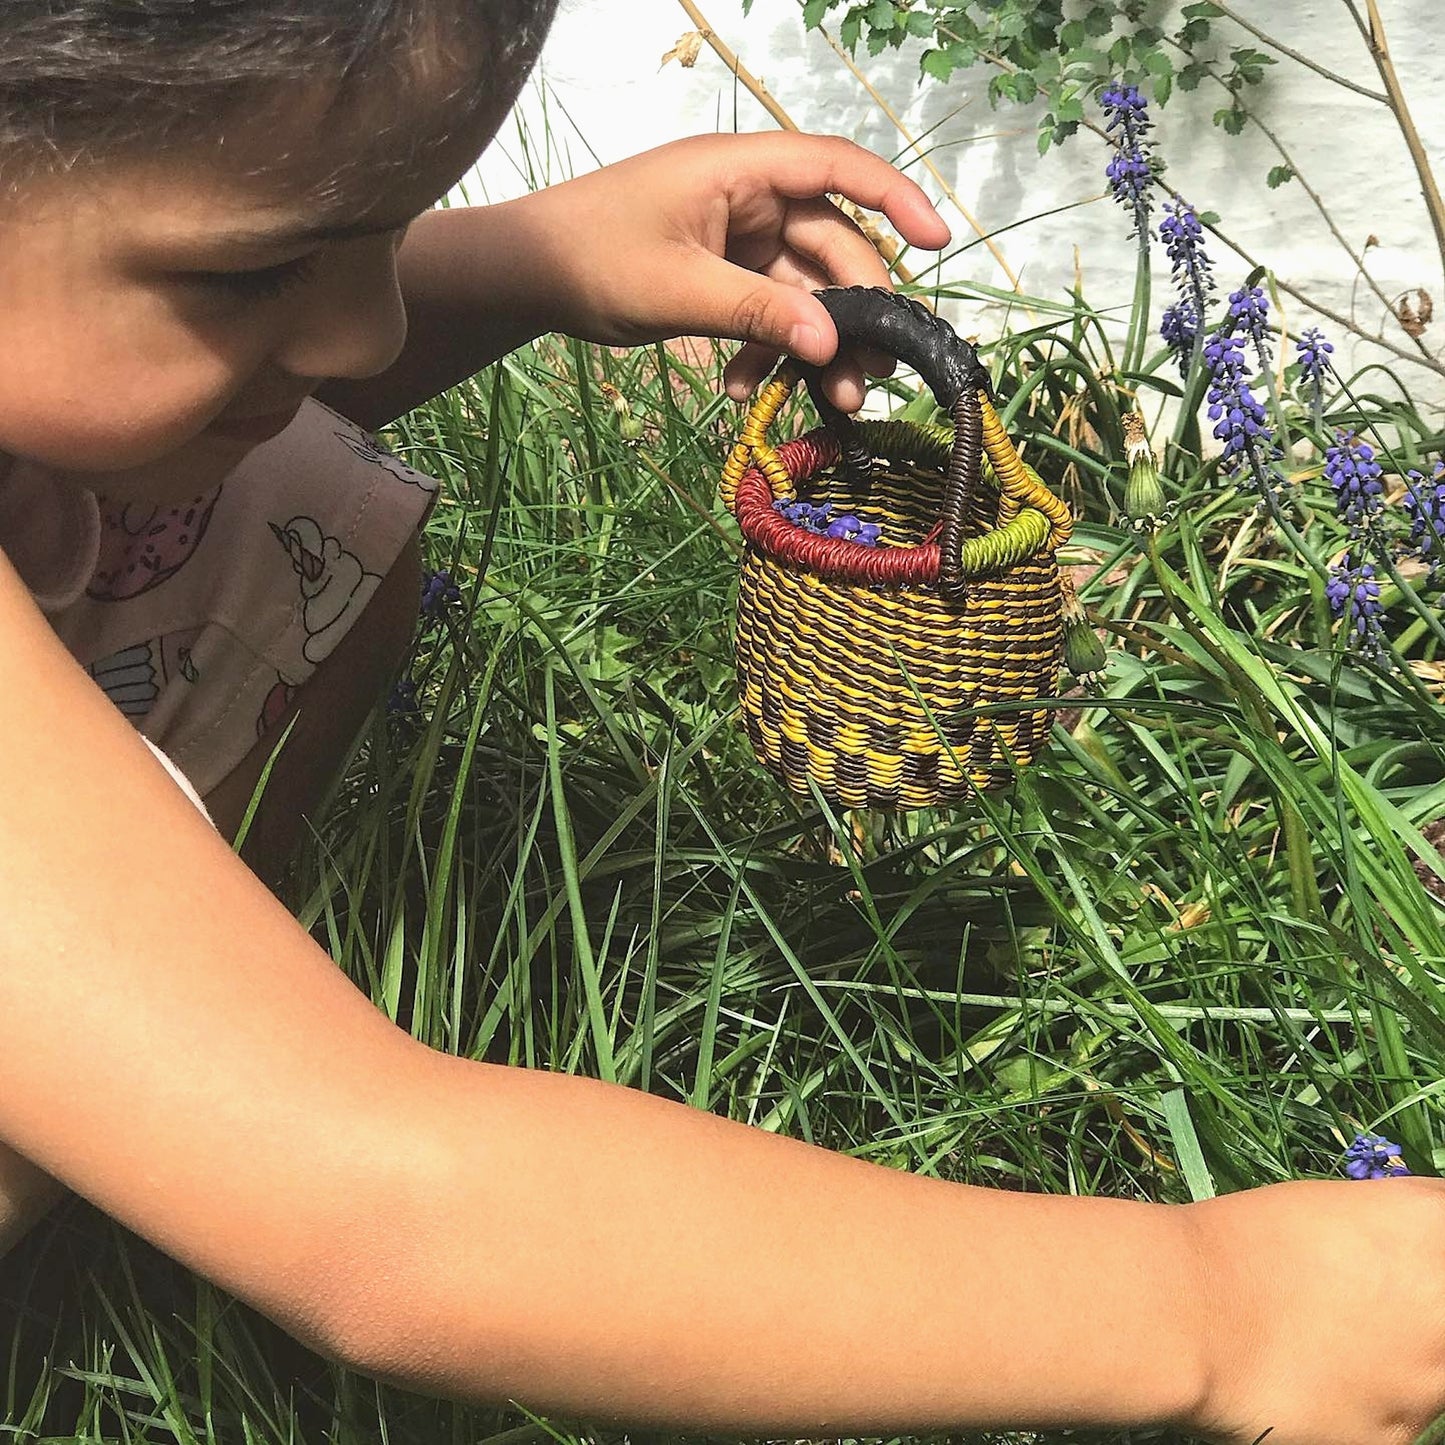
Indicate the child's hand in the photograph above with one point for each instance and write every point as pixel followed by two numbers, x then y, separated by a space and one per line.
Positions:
pixel 1326 1305
pixel 725 236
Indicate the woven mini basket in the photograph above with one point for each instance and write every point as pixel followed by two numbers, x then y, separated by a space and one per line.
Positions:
pixel 891 675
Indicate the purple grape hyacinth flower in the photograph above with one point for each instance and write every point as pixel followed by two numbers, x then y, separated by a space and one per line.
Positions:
pixel 1311 351
pixel 1183 238
pixel 1353 472
pixel 820 519
pixel 401 701
pixel 806 515
pixel 1372 1156
pixel 1129 170
pixel 851 529
pixel 438 592
pixel 1354 596
pixel 1240 421
pixel 1249 312
pixel 1179 329
pixel 1425 504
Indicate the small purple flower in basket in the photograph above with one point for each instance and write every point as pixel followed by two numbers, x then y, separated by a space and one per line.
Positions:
pixel 804 514
pixel 850 529
pixel 1425 503
pixel 1354 595
pixel 821 520
pixel 1353 472
pixel 1129 170
pixel 1372 1156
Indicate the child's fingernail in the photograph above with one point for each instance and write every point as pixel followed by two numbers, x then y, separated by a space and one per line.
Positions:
pixel 806 342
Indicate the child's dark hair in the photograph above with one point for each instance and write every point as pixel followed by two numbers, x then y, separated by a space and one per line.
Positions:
pixel 86 80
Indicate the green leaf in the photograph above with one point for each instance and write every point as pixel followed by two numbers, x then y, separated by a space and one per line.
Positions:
pixel 1011 26
pixel 881 15
pixel 938 63
pixel 1278 175
pixel 1231 118
pixel 1072 35
pixel 1098 20
pixel 1187 1149
pixel 1249 64
pixel 1020 86
pixel 814 12
pixel 850 30
pixel 1202 10
pixel 920 24
pixel 1191 75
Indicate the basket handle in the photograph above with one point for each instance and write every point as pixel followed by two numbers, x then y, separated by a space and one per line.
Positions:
pixel 899 326
pixel 888 322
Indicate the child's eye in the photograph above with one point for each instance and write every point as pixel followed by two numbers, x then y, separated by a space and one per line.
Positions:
pixel 259 285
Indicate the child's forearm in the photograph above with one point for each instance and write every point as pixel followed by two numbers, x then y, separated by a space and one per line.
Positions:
pixel 713 236
pixel 475 286
pixel 591 1250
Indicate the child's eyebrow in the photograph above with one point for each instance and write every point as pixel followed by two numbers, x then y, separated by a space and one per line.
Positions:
pixel 295 235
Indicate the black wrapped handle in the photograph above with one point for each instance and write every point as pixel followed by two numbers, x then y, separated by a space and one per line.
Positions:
pixel 899 326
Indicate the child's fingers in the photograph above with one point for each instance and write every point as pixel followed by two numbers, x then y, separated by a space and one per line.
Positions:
pixel 825 242
pixel 803 167
pixel 753 364
pixel 844 381
pixel 747 370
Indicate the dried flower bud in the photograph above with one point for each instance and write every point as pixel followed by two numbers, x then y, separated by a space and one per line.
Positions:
pixel 1084 654
pixel 614 397
pixel 1145 504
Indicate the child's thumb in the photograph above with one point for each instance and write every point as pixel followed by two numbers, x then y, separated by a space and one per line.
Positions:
pixel 745 306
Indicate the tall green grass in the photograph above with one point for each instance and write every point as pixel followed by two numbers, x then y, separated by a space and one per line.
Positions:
pixel 1189 951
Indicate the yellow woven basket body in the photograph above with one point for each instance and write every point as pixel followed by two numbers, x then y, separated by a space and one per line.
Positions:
pixel 884 694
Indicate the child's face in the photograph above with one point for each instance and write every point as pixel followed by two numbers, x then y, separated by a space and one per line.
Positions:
pixel 140 316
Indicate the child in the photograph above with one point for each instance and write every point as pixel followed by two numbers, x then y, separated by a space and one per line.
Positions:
pixel 206 280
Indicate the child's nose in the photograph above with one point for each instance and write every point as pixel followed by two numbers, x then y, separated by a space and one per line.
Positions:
pixel 350 322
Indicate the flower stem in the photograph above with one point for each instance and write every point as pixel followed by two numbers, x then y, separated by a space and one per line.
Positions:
pixel 1138 336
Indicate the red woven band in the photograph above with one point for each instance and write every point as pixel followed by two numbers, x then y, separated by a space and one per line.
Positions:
pixel 831 557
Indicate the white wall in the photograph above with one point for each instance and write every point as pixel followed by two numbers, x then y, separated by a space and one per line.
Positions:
pixel 605 96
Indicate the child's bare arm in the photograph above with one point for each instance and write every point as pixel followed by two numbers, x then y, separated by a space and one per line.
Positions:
pixel 713 236
pixel 181 1053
